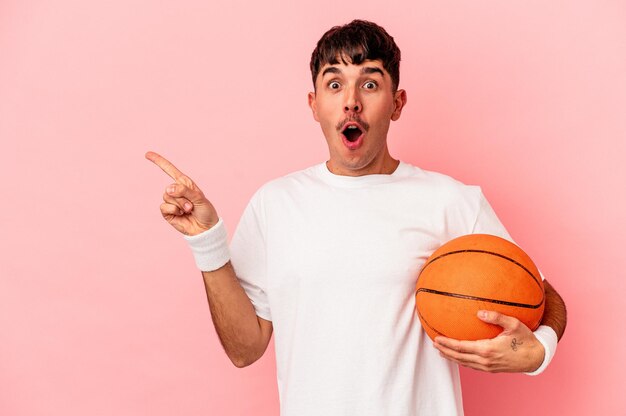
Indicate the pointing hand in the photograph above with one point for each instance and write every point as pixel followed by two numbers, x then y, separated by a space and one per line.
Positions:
pixel 185 207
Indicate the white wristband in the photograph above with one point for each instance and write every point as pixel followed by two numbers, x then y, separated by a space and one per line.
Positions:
pixel 548 339
pixel 210 248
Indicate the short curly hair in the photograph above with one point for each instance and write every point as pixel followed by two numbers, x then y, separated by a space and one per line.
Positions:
pixel 354 43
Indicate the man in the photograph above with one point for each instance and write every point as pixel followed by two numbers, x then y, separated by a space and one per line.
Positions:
pixel 327 257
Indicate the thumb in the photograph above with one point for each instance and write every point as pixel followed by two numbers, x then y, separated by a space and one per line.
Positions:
pixel 496 318
pixel 200 210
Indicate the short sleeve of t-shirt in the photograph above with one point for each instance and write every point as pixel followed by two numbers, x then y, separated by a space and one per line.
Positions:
pixel 248 256
pixel 487 222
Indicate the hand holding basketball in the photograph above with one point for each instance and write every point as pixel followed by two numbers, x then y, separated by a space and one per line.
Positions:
pixel 515 349
pixel 185 206
pixel 477 272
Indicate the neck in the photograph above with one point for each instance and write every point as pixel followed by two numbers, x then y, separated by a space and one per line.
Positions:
pixel 386 166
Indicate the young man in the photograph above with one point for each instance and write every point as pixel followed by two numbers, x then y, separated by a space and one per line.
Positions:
pixel 327 257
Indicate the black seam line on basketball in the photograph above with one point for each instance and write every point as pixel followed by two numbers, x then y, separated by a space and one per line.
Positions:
pixel 484 252
pixel 428 324
pixel 499 302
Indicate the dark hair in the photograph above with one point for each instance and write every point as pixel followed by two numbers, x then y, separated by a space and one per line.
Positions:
pixel 357 41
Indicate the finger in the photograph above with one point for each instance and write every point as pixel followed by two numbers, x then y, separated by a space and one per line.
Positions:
pixel 449 344
pixel 182 203
pixel 461 346
pixel 178 190
pixel 496 318
pixel 168 210
pixel 468 360
pixel 167 166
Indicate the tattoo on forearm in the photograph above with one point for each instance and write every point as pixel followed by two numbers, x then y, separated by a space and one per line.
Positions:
pixel 515 343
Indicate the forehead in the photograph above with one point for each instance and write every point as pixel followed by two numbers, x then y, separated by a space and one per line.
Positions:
pixel 348 70
pixel 368 66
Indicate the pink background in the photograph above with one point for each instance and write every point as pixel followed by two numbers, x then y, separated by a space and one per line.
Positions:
pixel 101 309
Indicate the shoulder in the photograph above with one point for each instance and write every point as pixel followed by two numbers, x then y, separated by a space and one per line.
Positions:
pixel 291 183
pixel 293 179
pixel 438 184
pixel 455 203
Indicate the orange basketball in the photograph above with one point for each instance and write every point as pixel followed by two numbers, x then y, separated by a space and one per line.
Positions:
pixel 477 272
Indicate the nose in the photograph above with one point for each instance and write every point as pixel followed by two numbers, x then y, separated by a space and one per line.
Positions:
pixel 352 102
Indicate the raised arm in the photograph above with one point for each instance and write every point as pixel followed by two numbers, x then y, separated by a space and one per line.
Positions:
pixel 242 333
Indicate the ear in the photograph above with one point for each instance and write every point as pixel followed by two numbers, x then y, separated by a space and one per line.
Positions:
pixel 399 100
pixel 313 105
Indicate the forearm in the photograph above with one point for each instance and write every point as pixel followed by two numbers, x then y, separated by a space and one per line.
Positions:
pixel 242 334
pixel 555 313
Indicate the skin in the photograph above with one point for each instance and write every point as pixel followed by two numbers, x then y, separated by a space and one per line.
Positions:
pixel 243 335
pixel 361 94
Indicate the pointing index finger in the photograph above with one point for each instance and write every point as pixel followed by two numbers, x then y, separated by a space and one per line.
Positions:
pixel 165 165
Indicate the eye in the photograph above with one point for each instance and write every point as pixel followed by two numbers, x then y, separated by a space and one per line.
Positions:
pixel 370 85
pixel 333 85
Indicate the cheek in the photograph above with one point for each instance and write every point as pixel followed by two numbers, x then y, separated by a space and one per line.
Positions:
pixel 326 116
pixel 379 108
pixel 328 129
pixel 380 125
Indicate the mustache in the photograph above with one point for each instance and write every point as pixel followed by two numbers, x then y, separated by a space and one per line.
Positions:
pixel 355 119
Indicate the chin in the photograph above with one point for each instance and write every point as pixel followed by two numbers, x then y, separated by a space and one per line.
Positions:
pixel 354 166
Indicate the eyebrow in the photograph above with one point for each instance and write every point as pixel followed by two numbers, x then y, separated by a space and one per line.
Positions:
pixel 372 70
pixel 331 70
pixel 364 70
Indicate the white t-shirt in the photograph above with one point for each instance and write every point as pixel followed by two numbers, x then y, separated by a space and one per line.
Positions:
pixel 333 261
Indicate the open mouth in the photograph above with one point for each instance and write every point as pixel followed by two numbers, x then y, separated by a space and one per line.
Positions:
pixel 352 133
